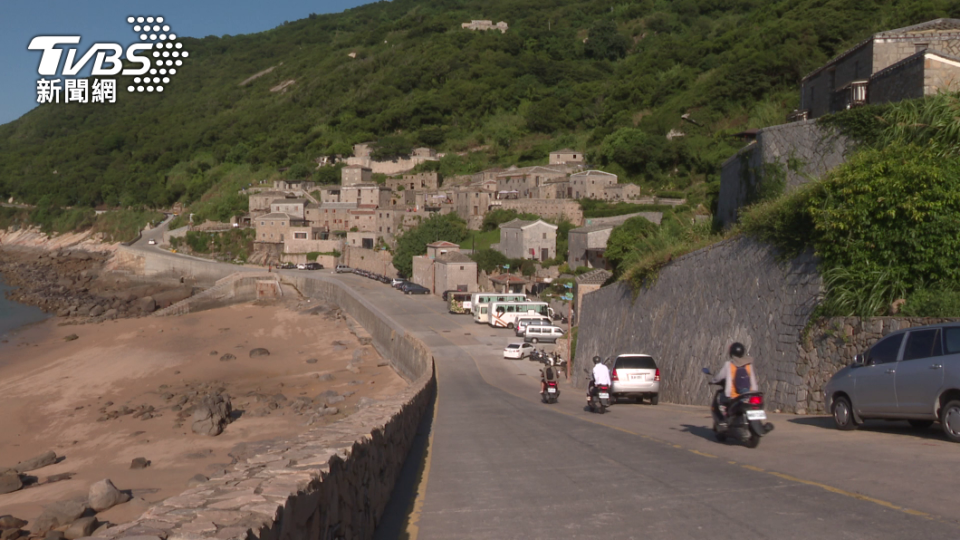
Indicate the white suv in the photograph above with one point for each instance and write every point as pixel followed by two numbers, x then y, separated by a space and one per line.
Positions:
pixel 342 268
pixel 636 376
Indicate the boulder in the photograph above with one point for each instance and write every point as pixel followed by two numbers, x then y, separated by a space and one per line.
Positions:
pixel 59 514
pixel 211 415
pixel 10 482
pixel 147 304
pixel 10 522
pixel 97 311
pixel 334 399
pixel 104 495
pixel 110 313
pixel 36 462
pixel 227 357
pixel 139 463
pixel 81 528
pixel 311 360
pixel 254 353
pixel 71 337
pixel 54 535
pixel 11 534
pixel 328 411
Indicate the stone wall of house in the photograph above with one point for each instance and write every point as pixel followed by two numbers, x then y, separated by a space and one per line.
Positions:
pixel 735 290
pixel 547 208
pixel 371 260
pixel 897 83
pixel 790 154
pixel 940 76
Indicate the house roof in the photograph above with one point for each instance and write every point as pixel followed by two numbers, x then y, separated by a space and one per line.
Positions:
pixel 565 151
pixel 511 173
pixel 593 172
pixel 936 24
pixel 914 57
pixel 454 257
pixel 357 167
pixel 289 201
pixel 593 228
pixel 278 215
pixel 443 243
pixel 508 279
pixel 594 277
pixel 521 224
pixel 338 205
pixel 269 193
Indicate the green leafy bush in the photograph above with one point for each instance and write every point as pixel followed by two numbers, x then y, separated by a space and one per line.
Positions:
pixel 489 260
pixel 448 227
pixel 932 303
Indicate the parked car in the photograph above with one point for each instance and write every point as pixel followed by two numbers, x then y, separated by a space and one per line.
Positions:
pixel 413 288
pixel 523 322
pixel 314 266
pixel 396 283
pixel 912 375
pixel 537 333
pixel 384 279
pixel 636 376
pixel 342 268
pixel 287 266
pixel 517 350
pixel 302 266
pixel 152 242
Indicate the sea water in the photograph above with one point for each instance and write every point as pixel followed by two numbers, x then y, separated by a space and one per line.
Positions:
pixel 14 314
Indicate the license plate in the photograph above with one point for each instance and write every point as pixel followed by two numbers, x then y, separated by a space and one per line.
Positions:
pixel 604 395
pixel 756 415
pixel 552 390
pixel 637 377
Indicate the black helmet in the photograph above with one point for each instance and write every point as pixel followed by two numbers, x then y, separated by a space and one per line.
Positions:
pixel 737 349
pixel 596 360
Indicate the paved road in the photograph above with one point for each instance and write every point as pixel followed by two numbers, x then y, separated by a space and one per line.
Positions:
pixel 502 465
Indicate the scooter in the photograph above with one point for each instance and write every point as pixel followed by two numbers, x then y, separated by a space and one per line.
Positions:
pixel 742 418
pixel 535 356
pixel 552 393
pixel 598 397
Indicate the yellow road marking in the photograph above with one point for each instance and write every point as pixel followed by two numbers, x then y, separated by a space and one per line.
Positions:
pixel 752 468
pixel 704 454
pixel 845 493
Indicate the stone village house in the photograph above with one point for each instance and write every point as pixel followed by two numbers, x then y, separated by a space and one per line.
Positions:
pixel 521 239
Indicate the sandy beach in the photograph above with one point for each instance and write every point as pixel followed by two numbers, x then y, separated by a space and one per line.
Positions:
pixel 123 389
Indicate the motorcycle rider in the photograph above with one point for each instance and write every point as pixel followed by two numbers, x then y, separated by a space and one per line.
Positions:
pixel 547 374
pixel 737 376
pixel 601 376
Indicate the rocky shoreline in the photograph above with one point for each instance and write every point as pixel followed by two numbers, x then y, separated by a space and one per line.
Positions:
pixel 73 285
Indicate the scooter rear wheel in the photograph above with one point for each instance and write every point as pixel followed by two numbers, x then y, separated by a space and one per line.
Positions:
pixel 753 441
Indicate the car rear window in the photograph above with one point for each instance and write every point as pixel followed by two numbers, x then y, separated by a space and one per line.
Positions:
pixel 635 362
pixel 513 346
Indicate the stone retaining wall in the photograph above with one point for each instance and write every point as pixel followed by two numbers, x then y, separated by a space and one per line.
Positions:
pixel 329 482
pixel 735 290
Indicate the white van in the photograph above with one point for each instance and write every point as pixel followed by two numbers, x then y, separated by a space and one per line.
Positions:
pixel 523 322
pixel 536 334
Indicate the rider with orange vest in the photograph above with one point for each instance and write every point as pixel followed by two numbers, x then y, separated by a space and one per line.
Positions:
pixel 737 374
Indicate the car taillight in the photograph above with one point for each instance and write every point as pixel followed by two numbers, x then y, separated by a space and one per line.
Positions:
pixel 615 377
pixel 656 376
pixel 755 400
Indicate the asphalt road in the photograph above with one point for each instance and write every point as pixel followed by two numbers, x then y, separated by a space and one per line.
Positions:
pixel 500 464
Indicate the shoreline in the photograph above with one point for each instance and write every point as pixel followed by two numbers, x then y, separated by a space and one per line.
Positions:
pixel 70 397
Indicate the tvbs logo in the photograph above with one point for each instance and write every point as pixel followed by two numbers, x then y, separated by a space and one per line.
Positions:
pixel 156 59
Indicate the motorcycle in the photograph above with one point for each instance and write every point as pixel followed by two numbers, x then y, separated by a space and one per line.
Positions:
pixel 552 393
pixel 742 419
pixel 535 356
pixel 598 397
pixel 556 360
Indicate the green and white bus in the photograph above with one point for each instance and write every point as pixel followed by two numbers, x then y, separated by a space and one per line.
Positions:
pixel 480 304
pixel 505 314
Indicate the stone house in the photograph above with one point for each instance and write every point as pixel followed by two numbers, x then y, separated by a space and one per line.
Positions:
pixel 388 221
pixel 366 195
pixel 586 246
pixel 472 205
pixel 591 184
pixel 425 180
pixel 485 177
pixel 485 25
pixel 622 192
pixel 558 188
pixel 274 228
pixel 362 219
pixel 292 207
pixel 508 284
pixel 259 203
pixel 355 174
pixel 556 209
pixel 524 181
pixel 521 239
pixel 566 156
pixel 334 216
pixel 438 249
pixel 454 271
pixel 587 283
pixel 893 65
pixel 424 270
pixel 362 239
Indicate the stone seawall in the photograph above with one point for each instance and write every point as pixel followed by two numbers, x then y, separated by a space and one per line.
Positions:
pixel 330 482
pixel 735 290
pixel 161 266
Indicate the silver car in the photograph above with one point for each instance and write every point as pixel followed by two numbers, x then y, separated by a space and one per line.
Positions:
pixel 636 376
pixel 912 374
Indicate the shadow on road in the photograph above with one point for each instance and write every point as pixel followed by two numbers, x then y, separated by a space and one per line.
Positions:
pixel 396 516
pixel 703 432
pixel 892 427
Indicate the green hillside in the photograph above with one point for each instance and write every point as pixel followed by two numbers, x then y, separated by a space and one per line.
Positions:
pixel 612 77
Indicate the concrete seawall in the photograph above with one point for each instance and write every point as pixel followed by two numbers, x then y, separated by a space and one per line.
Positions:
pixel 330 482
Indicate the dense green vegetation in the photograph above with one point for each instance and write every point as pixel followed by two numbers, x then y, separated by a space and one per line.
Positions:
pixel 413 242
pixel 233 245
pixel 609 77
pixel 116 226
pixel 886 225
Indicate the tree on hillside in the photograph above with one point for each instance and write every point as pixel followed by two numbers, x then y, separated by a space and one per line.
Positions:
pixel 391 147
pixel 605 43
pixel 489 260
pixel 623 246
pixel 495 218
pixel 449 227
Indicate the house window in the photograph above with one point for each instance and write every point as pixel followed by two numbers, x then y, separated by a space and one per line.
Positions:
pixel 461 268
pixel 262 223
pixel 282 223
pixel 544 236
pixel 300 235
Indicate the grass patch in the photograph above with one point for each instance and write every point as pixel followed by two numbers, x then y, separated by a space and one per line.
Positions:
pixel 482 240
